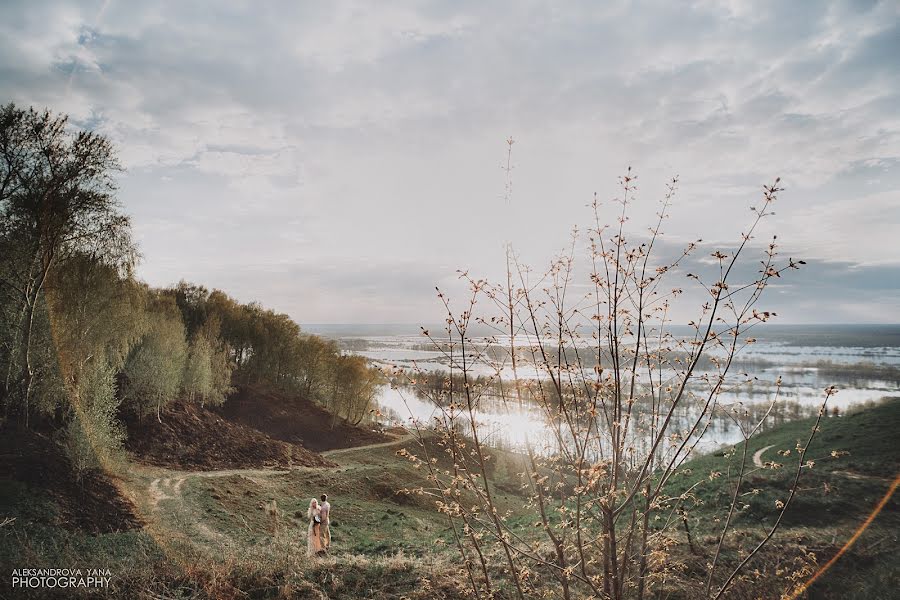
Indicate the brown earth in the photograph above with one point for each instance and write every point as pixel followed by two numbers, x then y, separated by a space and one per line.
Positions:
pixel 291 418
pixel 92 505
pixel 193 437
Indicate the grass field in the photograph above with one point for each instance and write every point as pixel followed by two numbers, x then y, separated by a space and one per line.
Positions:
pixel 856 458
pixel 208 534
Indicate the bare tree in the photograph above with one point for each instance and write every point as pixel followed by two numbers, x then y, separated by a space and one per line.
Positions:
pixel 625 399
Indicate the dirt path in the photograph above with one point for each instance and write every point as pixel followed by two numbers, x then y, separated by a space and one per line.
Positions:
pixel 862 476
pixel 177 512
pixel 169 488
pixel 401 440
pixel 757 456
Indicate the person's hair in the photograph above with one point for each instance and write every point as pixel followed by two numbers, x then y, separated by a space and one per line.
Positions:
pixel 324 497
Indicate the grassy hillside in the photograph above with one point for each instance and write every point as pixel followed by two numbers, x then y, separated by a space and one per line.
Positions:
pixel 213 534
pixel 208 534
pixel 856 457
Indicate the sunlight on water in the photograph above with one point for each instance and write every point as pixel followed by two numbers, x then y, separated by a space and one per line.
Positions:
pixel 514 426
pixel 863 372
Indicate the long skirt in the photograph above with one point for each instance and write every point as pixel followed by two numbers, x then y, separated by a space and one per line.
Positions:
pixel 313 539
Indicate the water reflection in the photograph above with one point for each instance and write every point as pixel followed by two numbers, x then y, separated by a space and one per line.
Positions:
pixel 862 373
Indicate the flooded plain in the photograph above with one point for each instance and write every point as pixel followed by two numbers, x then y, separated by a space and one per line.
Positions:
pixel 863 362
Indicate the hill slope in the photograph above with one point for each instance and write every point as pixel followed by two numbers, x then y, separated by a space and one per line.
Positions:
pixel 856 457
pixel 38 483
pixel 292 418
pixel 193 437
pixel 212 534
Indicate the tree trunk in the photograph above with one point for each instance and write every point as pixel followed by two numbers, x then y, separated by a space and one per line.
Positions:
pixel 28 375
pixel 30 307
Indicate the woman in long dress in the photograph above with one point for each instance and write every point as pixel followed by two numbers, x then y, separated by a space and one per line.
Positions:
pixel 313 531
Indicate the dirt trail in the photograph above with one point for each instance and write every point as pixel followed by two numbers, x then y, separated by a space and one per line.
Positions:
pixel 757 456
pixel 758 462
pixel 169 488
pixel 862 476
pixel 397 442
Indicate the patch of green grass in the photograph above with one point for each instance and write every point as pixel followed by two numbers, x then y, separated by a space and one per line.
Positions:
pixel 369 514
pixel 834 496
pixel 19 502
pixel 134 559
pixel 840 486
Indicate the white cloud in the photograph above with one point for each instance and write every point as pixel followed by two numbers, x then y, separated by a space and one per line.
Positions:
pixel 338 130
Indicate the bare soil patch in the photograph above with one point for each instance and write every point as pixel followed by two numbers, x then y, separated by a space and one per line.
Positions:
pixel 292 418
pixel 191 437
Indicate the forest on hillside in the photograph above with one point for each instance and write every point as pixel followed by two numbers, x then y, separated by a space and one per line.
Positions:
pixel 84 343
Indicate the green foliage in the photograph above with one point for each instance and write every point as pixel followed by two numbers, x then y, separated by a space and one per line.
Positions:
pixel 193 302
pixel 198 369
pixel 98 314
pixel 56 190
pixel 155 368
pixel 263 346
pixel 354 386
pixel 56 203
pixel 94 436
pixel 274 339
pixel 221 368
pixel 47 393
pixel 207 372
pixel 76 442
pixel 315 358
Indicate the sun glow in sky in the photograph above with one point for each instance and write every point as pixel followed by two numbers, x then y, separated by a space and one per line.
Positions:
pixel 338 160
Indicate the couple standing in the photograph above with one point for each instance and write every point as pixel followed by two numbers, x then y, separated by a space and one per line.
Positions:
pixel 318 533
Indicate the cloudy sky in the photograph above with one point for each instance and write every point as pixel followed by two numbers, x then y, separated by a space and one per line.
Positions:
pixel 337 160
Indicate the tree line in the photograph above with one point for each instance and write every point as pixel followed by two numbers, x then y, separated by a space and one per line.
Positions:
pixel 83 342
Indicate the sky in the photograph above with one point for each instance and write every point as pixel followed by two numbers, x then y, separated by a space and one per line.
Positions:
pixel 338 160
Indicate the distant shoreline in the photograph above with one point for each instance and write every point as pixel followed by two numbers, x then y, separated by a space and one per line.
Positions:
pixel 822 334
